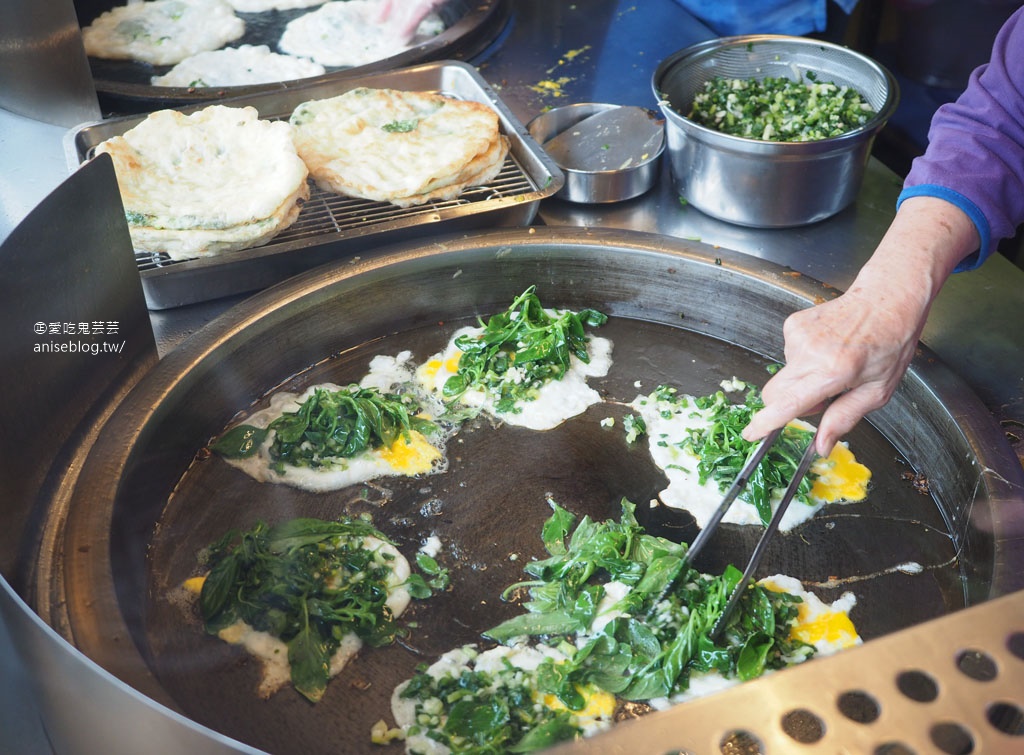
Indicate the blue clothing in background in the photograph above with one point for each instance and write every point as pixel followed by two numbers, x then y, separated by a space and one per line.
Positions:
pixel 730 17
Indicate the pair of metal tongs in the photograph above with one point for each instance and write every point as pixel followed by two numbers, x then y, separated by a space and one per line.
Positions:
pixel 773 525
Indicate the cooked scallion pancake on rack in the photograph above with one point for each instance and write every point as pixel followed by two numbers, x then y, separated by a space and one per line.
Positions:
pixel 237 66
pixel 162 32
pixel 214 181
pixel 401 147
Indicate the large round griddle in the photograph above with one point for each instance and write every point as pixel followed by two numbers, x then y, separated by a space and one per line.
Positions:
pixel 124 85
pixel 149 499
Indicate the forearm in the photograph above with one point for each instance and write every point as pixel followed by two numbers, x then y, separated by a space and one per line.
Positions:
pixel 927 239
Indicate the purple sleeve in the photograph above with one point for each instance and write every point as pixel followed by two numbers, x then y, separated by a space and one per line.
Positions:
pixel 975 154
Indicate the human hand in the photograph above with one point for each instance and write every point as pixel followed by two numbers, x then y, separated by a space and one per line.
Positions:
pixel 854 349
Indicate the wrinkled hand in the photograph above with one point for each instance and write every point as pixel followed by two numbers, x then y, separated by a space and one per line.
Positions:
pixel 856 348
pixel 852 348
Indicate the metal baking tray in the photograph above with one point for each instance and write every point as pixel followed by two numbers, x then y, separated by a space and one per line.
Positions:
pixel 331 226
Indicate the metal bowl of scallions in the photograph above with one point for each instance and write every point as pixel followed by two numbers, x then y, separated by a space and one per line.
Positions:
pixel 771 131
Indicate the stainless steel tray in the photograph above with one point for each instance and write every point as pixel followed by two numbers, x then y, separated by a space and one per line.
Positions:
pixel 331 226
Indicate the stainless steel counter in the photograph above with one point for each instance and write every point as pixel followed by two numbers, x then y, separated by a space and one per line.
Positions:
pixel 559 52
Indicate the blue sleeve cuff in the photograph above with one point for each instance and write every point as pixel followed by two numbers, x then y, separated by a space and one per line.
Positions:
pixel 976 216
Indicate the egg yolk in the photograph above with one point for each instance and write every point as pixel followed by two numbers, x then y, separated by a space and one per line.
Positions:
pixel 833 627
pixel 840 477
pixel 599 704
pixel 413 456
pixel 194 585
pixel 432 367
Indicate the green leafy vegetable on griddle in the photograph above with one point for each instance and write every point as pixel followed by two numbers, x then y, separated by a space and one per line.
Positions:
pixel 328 425
pixel 486 712
pixel 664 631
pixel 308 582
pixel 722 451
pixel 520 350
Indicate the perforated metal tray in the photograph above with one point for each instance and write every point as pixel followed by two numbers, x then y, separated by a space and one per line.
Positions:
pixel 952 685
pixel 332 227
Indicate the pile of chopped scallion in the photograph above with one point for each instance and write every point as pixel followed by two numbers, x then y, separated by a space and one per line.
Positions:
pixel 778 109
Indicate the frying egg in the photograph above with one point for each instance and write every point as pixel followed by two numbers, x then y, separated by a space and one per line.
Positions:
pixel 597 711
pixel 826 626
pixel 558 400
pixel 508 668
pixel 405 457
pixel 273 653
pixel 840 478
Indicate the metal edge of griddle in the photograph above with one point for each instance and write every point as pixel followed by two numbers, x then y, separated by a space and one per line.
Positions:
pixel 191 281
pixel 248 319
pixel 470 36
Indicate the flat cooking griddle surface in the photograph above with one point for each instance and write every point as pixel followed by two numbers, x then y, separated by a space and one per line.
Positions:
pixel 487 510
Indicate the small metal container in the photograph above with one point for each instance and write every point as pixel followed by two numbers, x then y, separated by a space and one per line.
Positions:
pixel 767 184
pixel 634 153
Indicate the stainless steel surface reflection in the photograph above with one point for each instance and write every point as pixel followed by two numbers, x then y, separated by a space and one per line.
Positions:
pixel 630 170
pixel 43 66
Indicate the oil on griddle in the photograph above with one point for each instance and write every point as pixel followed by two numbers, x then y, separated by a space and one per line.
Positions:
pixel 487 510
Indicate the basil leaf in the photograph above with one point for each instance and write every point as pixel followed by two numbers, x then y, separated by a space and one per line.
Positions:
pixel 642 641
pixel 751 662
pixel 218 588
pixel 310 663
pixel 417 587
pixel 659 575
pixel 427 564
pixel 555 529
pixel 711 657
pixel 519 350
pixel 476 719
pixel 240 442
pixel 758 613
pixel 533 625
pixel 558 729
pixel 289 428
